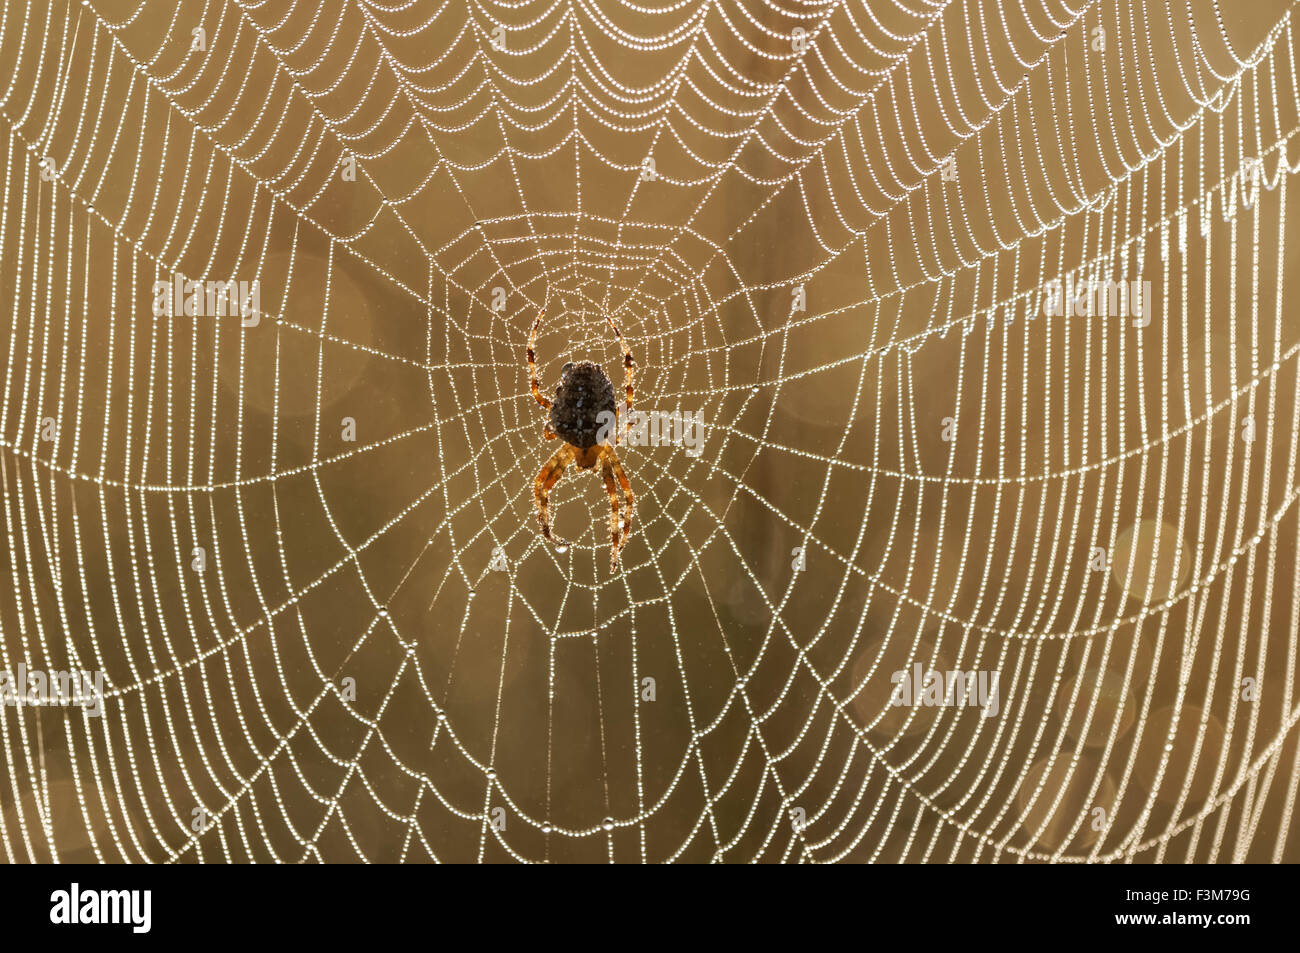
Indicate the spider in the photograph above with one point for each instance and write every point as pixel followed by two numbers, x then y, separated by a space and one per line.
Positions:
pixel 583 394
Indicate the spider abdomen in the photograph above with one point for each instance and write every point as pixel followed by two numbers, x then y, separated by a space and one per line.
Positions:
pixel 585 392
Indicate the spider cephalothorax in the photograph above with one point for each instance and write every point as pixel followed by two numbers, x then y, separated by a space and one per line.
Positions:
pixel 583 407
pixel 584 393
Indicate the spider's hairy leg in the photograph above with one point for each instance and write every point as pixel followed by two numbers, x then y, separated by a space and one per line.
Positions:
pixel 547 432
pixel 550 474
pixel 607 472
pixel 628 374
pixel 532 361
pixel 613 464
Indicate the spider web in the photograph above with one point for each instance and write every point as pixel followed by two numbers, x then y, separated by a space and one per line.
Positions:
pixel 303 552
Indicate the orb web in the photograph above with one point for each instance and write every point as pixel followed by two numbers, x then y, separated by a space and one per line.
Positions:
pixel 301 547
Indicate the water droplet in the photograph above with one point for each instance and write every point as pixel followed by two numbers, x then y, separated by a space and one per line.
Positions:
pixel 608 824
pixel 561 547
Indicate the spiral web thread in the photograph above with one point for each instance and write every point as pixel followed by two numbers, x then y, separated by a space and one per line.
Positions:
pixel 826 227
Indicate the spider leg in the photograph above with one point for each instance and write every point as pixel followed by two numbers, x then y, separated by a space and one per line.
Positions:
pixel 547 432
pixel 532 362
pixel 550 474
pixel 607 472
pixel 628 373
pixel 614 466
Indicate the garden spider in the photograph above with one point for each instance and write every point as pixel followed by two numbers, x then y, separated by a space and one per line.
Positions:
pixel 583 394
